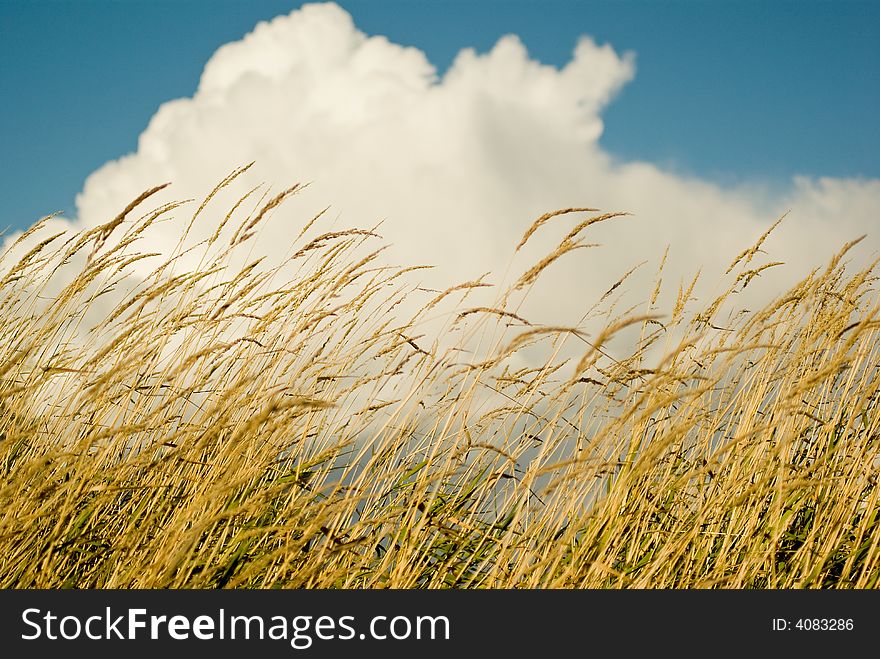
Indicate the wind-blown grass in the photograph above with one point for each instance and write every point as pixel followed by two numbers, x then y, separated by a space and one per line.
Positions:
pixel 290 426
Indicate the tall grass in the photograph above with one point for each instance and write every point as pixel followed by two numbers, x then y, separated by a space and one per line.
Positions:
pixel 243 425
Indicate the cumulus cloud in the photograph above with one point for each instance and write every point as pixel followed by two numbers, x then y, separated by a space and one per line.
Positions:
pixel 457 167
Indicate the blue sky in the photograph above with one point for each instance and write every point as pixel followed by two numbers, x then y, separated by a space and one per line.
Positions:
pixel 735 91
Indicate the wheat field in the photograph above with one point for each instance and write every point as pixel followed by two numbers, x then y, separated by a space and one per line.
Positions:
pixel 238 425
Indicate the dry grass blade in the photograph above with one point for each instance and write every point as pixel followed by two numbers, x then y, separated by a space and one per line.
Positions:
pixel 547 216
pixel 532 273
pixel 108 228
pixel 497 312
pixel 246 230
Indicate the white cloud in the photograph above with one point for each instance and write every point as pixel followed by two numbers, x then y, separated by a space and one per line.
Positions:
pixel 456 167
